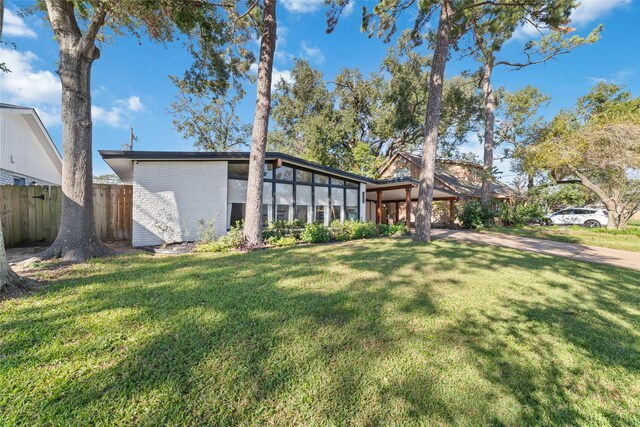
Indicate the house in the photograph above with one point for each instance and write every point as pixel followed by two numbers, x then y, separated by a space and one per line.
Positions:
pixel 464 179
pixel 27 152
pixel 175 194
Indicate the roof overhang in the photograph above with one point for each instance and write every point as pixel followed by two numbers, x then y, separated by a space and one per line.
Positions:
pixel 122 161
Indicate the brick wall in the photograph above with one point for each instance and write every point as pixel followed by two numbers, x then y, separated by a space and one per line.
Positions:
pixel 170 198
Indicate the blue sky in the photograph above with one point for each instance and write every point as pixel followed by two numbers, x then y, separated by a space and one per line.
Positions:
pixel 130 84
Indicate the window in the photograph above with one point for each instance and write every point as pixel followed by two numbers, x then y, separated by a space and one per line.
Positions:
pixel 238 170
pixel 267 200
pixel 284 173
pixel 268 171
pixel 303 203
pixel 337 203
pixel 321 179
pixel 352 204
pixel 236 213
pixel 284 202
pixel 336 181
pixel 19 181
pixel 350 184
pixel 322 204
pixel 303 176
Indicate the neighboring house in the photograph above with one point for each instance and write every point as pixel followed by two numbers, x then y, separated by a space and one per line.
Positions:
pixel 464 179
pixel 27 153
pixel 175 194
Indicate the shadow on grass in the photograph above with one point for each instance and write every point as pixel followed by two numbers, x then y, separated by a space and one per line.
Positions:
pixel 320 335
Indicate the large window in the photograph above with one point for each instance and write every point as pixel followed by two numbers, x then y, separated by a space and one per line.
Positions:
pixel 284 202
pixel 322 205
pixel 304 204
pixel 337 203
pixel 352 204
pixel 238 170
pixel 299 194
pixel 284 173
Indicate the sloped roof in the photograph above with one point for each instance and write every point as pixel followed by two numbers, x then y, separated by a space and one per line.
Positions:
pixel 457 184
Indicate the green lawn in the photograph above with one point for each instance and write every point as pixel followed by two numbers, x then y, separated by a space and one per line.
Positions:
pixel 627 239
pixel 383 331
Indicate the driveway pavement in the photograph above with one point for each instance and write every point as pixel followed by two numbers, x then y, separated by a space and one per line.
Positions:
pixel 613 257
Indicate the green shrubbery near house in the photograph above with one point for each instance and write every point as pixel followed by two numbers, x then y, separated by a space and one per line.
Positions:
pixel 316 232
pixel 289 233
pixel 475 215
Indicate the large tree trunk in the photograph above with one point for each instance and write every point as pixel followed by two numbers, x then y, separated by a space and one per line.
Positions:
pixel 76 239
pixel 432 121
pixel 10 283
pixel 253 216
pixel 489 123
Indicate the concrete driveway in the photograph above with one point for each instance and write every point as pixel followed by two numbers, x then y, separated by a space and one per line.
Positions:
pixel 596 254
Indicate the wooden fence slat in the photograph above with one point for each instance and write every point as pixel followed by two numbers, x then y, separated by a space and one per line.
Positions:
pixel 28 218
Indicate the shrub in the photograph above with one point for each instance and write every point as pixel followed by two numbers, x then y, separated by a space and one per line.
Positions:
pixel 521 213
pixel 398 229
pixel 234 239
pixel 206 231
pixel 283 229
pixel 475 215
pixel 362 230
pixel 315 233
pixel 383 229
pixel 282 241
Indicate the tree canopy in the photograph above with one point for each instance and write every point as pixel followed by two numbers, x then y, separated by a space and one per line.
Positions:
pixel 599 144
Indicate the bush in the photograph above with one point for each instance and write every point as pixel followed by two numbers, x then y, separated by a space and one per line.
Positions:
pixel 282 241
pixel 234 239
pixel 522 213
pixel 350 230
pixel 383 229
pixel 398 229
pixel 475 215
pixel 315 232
pixel 283 229
pixel 362 230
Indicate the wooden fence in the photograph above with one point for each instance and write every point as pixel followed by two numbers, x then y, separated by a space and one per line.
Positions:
pixel 32 213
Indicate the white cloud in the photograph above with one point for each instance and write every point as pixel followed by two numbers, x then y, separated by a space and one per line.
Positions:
pixel 15 26
pixel 587 12
pixel 311 53
pixel 590 10
pixel 281 35
pixel 118 113
pixel 302 6
pixel 276 75
pixel 134 104
pixel 348 9
pixel 28 86
pixel 618 78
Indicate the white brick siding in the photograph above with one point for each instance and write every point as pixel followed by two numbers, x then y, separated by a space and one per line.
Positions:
pixel 171 197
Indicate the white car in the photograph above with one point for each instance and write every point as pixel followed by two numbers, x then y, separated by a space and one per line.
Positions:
pixel 580 216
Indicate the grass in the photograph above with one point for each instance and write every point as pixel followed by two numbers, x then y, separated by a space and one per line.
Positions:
pixel 627 239
pixel 381 331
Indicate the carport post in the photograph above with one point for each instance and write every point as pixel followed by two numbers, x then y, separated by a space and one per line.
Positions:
pixel 379 207
pixel 452 212
pixel 408 207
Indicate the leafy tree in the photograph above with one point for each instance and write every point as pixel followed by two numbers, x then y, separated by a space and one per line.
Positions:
pixel 10 282
pixel 333 122
pixel 599 144
pixel 77 26
pixel 253 217
pixel 519 126
pixel 492 26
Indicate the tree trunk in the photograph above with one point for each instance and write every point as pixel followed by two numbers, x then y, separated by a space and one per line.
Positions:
pixel 432 121
pixel 76 240
pixel 10 283
pixel 253 216
pixel 489 123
